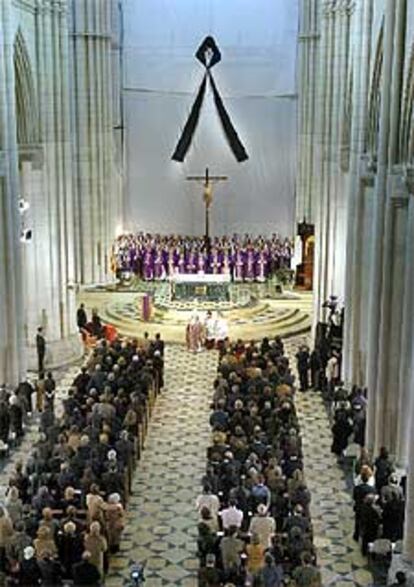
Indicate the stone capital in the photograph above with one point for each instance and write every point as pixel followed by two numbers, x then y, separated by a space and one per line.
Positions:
pixel 2 164
pixel 343 7
pixel 409 178
pixel 47 6
pixel 309 36
pixel 328 9
pixel 367 170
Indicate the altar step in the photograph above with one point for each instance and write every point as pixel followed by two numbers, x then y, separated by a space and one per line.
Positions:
pixel 265 319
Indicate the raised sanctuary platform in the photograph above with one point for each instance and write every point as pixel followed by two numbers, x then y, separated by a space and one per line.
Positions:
pixel 254 311
pixel 200 286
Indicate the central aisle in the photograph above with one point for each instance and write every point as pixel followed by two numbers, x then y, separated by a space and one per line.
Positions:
pixel 162 523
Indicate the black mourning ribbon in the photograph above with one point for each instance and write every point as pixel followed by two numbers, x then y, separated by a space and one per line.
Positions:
pixel 209 55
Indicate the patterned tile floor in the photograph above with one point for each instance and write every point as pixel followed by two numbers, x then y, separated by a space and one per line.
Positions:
pixel 161 526
pixel 332 513
pixel 161 531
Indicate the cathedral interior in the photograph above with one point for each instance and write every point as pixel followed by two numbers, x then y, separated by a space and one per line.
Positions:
pixel 300 404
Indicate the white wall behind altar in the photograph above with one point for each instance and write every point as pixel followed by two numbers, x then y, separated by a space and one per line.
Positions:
pixel 257 80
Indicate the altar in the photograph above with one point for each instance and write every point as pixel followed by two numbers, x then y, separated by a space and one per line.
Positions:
pixel 200 286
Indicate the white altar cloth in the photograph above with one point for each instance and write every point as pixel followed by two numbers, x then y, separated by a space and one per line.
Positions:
pixel 200 278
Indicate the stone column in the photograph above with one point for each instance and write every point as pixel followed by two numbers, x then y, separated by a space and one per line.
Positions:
pixel 409 509
pixel 320 170
pixel 406 404
pixel 337 197
pixel 12 353
pixel 386 421
pixel 327 209
pixel 313 49
pixel 379 224
pixel 48 104
pixel 405 562
pixel 303 99
pixel 115 72
pixel 91 36
pixel 68 218
pixel 361 70
pixel 48 263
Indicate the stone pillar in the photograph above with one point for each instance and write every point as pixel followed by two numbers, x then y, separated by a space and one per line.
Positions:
pixel 68 216
pixel 406 404
pixel 49 261
pixel 409 508
pixel 91 34
pixel 48 105
pixel 406 561
pixel 115 106
pixel 337 181
pixel 12 353
pixel 375 401
pixel 386 420
pixel 302 176
pixel 354 244
pixel 320 170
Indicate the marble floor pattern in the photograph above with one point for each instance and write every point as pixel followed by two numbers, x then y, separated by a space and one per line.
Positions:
pixel 162 522
pixel 339 556
pixel 161 530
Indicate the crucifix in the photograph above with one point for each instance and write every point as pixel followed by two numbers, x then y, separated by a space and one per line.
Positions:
pixel 208 181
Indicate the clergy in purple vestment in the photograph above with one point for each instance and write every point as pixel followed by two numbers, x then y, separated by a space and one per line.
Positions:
pixel 148 264
pixel 191 262
pixel 239 265
pixel 201 262
pixel 159 270
pixel 250 262
pixel 181 260
pixel 214 262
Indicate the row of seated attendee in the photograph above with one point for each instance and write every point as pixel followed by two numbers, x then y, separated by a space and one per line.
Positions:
pixel 244 258
pixel 64 512
pixel 255 526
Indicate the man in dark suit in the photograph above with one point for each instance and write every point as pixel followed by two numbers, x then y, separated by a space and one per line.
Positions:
pixel 302 358
pixel 85 573
pixel 158 344
pixel 81 317
pixel 359 494
pixel 41 350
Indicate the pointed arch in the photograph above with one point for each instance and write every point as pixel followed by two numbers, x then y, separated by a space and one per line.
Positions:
pixel 25 96
pixel 346 127
pixel 407 134
pixel 375 96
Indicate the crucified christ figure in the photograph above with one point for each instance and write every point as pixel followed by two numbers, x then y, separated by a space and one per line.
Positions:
pixel 208 181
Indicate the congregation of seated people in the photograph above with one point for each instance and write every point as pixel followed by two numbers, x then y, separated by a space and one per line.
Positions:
pixel 254 522
pixel 64 511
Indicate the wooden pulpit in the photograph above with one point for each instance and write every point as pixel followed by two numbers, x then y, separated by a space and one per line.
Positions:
pixel 304 271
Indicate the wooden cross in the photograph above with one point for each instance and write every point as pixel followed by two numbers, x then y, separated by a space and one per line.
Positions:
pixel 208 181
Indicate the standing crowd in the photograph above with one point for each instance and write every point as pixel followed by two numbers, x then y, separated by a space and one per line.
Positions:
pixel 254 521
pixel 378 490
